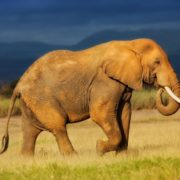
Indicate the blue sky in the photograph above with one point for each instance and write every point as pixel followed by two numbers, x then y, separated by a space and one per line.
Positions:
pixel 70 21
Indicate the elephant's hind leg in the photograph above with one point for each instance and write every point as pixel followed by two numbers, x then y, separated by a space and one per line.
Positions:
pixel 56 123
pixel 54 120
pixel 63 141
pixel 30 132
pixel 52 116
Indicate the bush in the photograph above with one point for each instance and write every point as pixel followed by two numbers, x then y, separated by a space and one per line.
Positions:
pixel 145 99
pixel 6 89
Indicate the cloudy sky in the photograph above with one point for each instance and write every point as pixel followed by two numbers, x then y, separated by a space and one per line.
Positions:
pixel 70 21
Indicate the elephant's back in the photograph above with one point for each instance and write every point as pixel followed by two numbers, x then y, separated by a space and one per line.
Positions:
pixel 48 62
pixel 56 69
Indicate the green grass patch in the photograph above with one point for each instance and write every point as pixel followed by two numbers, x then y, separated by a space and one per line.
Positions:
pixel 154 168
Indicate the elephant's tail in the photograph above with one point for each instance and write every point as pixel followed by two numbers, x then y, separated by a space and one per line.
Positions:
pixel 5 138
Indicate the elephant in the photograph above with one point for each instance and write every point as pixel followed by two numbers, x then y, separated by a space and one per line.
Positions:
pixel 66 86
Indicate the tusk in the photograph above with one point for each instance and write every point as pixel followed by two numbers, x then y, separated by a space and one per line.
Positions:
pixel 169 91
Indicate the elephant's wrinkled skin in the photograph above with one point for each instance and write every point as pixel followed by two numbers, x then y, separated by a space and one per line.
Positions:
pixel 65 87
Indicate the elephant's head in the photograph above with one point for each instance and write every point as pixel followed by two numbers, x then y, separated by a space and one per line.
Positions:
pixel 144 61
pixel 157 70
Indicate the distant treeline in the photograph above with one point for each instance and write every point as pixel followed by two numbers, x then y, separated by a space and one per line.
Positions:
pixel 6 88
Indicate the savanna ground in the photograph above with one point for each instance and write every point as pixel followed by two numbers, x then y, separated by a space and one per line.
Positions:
pixel 153 153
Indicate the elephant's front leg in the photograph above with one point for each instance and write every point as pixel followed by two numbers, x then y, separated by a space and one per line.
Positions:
pixel 104 114
pixel 124 117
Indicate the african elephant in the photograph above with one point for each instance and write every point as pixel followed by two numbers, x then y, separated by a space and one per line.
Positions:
pixel 69 86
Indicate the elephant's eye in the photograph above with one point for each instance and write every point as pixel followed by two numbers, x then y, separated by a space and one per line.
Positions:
pixel 157 61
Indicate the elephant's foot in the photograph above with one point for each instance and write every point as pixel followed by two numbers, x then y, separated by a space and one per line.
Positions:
pixel 69 153
pixel 27 153
pixel 122 149
pixel 64 144
pixel 105 146
pixel 30 134
pixel 100 147
pixel 67 150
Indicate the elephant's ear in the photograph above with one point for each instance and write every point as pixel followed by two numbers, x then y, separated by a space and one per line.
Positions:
pixel 125 66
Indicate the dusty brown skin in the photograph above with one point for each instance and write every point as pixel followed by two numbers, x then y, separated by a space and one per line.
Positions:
pixel 65 87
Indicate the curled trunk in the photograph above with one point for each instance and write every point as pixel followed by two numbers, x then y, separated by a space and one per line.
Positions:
pixel 172 106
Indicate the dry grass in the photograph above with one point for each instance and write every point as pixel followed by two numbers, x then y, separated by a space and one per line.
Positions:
pixel 153 152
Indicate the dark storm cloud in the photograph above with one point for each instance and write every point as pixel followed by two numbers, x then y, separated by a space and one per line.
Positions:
pixel 43 20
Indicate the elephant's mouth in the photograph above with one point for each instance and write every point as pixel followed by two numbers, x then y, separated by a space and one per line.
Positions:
pixel 152 80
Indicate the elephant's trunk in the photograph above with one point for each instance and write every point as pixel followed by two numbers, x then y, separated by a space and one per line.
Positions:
pixel 173 105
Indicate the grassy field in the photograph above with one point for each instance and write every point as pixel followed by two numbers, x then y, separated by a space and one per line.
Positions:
pixel 154 152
